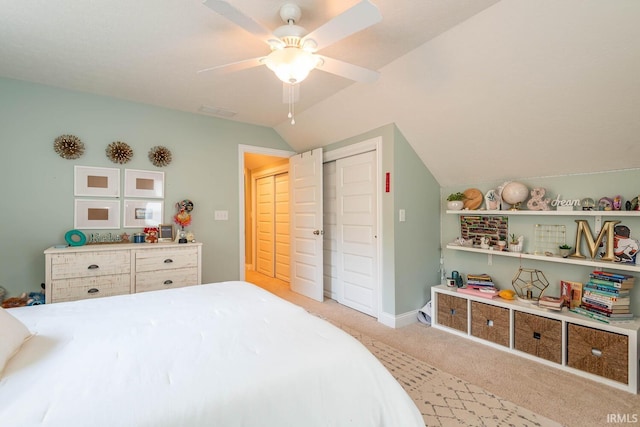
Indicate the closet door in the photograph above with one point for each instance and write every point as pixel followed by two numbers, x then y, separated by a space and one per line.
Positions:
pixel 265 236
pixel 282 246
pixel 356 225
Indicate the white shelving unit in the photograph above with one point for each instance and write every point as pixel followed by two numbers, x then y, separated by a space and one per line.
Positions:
pixel 471 316
pixel 600 356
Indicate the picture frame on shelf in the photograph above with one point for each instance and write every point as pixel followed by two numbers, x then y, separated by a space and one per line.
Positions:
pixel 90 214
pixel 165 233
pixel 142 213
pixel 141 183
pixel 96 182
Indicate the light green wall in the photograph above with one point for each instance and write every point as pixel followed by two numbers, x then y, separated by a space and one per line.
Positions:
pixel 503 269
pixel 417 254
pixel 37 184
pixel 410 250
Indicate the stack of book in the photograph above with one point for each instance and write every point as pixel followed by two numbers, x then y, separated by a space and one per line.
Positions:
pixel 607 296
pixel 479 281
pixel 480 285
pixel 552 303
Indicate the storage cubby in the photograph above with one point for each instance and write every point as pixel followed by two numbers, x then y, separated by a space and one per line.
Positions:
pixel 603 352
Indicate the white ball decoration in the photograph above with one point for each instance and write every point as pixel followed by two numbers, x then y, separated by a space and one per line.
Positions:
pixel 514 193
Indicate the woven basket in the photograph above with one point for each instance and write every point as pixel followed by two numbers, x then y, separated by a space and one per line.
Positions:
pixel 598 352
pixel 490 323
pixel 538 336
pixel 452 312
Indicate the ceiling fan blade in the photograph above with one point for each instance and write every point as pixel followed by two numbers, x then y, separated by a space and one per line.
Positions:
pixel 235 66
pixel 349 71
pixel 237 17
pixel 357 18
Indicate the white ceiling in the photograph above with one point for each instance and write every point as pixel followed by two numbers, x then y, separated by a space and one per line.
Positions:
pixel 481 89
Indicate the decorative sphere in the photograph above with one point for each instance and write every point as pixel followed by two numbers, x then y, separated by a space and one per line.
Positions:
pixel 515 192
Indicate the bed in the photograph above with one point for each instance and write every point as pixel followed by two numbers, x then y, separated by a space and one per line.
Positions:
pixel 222 354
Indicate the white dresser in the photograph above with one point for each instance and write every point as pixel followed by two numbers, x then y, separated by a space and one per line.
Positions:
pixel 95 271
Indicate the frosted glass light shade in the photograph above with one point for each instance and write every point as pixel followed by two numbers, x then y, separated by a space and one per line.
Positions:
pixel 291 65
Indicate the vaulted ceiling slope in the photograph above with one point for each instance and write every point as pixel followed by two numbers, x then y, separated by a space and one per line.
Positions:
pixel 482 89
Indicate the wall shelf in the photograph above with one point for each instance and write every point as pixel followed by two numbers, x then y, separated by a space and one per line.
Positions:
pixel 548 213
pixel 545 258
pixel 575 261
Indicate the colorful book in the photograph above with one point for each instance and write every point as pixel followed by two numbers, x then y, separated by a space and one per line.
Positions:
pixel 595 316
pixel 571 293
pixel 621 309
pixel 606 298
pixel 618 276
pixel 607 290
pixel 618 316
pixel 483 293
pixel 611 283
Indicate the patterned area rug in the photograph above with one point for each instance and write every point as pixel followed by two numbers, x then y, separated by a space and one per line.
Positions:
pixel 445 400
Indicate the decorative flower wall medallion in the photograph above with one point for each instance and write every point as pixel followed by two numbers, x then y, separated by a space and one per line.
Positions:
pixel 160 156
pixel 68 146
pixel 119 152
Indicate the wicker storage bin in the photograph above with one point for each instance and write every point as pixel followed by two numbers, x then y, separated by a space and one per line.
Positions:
pixel 452 312
pixel 490 323
pixel 538 336
pixel 598 352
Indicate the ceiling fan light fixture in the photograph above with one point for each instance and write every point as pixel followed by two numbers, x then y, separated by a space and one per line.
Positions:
pixel 291 64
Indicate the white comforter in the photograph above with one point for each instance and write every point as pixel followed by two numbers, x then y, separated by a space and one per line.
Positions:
pixel 224 354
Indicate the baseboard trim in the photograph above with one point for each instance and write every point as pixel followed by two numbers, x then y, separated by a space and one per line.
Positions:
pixel 399 321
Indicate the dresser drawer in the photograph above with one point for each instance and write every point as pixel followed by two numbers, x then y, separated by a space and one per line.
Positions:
pixel 90 287
pixel 166 279
pixel 598 352
pixel 165 259
pixel 89 264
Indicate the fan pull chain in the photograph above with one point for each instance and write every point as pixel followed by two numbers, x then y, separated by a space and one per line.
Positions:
pixel 291 104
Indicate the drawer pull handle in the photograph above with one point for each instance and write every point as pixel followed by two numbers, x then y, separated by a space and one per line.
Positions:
pixel 93 267
pixel 168 261
pixel 489 322
pixel 93 291
pixel 168 282
pixel 596 352
pixel 453 311
pixel 536 335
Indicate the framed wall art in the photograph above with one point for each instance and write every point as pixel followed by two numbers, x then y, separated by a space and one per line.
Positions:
pixel 96 214
pixel 96 182
pixel 142 213
pixel 139 183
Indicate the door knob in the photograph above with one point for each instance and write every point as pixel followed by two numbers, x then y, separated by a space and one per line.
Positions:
pixel 318 232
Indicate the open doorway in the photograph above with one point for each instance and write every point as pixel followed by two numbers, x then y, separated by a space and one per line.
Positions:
pixel 255 161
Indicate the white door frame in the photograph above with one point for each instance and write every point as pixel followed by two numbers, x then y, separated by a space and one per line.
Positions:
pixel 352 150
pixel 242 149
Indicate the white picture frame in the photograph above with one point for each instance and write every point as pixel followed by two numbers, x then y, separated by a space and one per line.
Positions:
pixel 96 182
pixel 141 183
pixel 90 214
pixel 142 213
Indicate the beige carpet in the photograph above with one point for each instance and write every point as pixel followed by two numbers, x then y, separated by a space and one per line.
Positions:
pixel 566 398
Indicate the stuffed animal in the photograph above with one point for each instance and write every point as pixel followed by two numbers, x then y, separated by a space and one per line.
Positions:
pixel 152 237
pixel 20 301
pixel 35 298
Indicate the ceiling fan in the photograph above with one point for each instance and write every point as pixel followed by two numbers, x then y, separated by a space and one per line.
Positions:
pixel 293 49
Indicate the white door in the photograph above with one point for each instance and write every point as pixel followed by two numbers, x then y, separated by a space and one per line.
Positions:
pixel 305 194
pixel 265 225
pixel 356 227
pixel 282 246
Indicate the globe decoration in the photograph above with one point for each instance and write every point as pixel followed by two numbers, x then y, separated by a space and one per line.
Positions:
pixel 515 193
